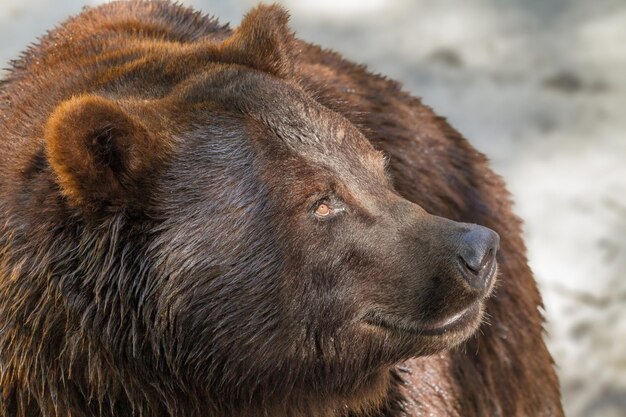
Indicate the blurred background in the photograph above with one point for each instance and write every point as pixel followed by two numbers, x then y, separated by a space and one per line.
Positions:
pixel 537 85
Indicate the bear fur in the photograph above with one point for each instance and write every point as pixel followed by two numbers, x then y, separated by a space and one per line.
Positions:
pixel 127 166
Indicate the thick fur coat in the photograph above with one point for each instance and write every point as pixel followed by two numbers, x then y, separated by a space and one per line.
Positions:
pixel 160 183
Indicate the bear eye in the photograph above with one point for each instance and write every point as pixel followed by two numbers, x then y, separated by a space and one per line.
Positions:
pixel 323 210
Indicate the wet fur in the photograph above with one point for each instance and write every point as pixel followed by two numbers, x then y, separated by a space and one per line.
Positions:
pixel 80 332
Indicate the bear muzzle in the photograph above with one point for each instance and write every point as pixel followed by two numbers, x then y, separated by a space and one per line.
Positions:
pixel 450 271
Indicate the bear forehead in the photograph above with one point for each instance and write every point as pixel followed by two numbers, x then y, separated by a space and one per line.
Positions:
pixel 286 116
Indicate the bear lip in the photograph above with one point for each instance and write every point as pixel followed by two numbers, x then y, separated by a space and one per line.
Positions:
pixel 457 322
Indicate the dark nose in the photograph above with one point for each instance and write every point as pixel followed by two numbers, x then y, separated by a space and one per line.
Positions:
pixel 477 254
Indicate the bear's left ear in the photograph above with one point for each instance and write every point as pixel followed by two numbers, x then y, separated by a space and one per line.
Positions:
pixel 102 156
pixel 263 41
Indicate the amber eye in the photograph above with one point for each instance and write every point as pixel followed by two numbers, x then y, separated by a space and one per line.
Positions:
pixel 322 210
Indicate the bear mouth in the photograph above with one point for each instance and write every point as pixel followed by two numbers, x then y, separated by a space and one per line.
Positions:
pixel 455 323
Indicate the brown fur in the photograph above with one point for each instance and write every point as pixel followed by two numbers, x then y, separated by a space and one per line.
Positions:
pixel 98 152
pixel 102 126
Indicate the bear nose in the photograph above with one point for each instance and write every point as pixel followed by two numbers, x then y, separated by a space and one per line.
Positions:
pixel 477 254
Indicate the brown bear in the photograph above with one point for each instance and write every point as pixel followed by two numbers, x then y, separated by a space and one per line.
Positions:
pixel 199 221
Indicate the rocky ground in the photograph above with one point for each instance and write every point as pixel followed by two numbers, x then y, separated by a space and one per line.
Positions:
pixel 540 87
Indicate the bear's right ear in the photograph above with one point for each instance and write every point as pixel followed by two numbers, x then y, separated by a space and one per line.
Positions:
pixel 99 153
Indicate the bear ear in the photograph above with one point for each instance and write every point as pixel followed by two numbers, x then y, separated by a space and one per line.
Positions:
pixel 98 152
pixel 263 41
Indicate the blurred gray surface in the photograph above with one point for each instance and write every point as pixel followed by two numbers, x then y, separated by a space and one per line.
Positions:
pixel 540 87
